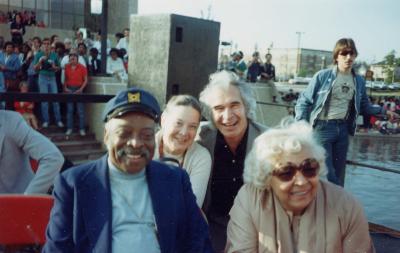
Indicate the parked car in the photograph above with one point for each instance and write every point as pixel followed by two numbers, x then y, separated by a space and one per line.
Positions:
pixel 378 86
pixel 369 84
pixel 396 86
pixel 300 80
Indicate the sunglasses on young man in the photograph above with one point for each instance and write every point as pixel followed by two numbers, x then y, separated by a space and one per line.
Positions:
pixel 347 52
pixel 309 168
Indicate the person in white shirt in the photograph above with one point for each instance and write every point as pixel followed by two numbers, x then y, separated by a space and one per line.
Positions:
pixel 97 43
pixel 124 42
pixel 175 142
pixel 115 65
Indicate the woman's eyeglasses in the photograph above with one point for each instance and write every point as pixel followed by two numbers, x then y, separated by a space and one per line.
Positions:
pixel 346 52
pixel 309 168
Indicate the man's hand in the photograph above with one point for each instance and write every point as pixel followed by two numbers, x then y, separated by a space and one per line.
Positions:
pixel 30 118
pixel 392 115
pixel 78 91
pixel 43 58
pixel 66 90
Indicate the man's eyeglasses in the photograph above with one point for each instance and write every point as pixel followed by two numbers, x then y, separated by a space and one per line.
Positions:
pixel 346 52
pixel 309 168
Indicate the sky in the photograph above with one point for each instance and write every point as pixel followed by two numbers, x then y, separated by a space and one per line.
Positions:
pixel 373 24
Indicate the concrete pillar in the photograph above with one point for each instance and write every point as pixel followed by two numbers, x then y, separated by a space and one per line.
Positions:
pixel 171 54
pixel 119 13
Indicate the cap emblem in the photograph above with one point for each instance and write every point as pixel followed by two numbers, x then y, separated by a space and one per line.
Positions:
pixel 134 97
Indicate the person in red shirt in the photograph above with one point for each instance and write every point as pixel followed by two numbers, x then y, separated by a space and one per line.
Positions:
pixel 75 82
pixel 26 108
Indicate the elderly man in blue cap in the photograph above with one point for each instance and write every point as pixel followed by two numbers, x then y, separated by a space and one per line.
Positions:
pixel 125 202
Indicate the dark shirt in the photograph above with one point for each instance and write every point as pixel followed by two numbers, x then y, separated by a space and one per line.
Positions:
pixel 269 69
pixel 16 37
pixel 227 176
pixel 94 66
pixel 254 71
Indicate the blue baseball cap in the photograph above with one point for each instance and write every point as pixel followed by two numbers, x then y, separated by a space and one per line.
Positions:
pixel 132 100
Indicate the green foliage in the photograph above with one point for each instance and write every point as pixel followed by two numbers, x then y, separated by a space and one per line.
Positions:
pixel 302 73
pixel 390 63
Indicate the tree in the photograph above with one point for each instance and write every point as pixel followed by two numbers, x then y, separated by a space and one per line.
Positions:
pixel 390 63
pixel 360 67
pixel 302 73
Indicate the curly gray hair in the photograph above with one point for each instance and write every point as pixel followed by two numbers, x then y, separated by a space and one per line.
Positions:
pixel 269 148
pixel 222 80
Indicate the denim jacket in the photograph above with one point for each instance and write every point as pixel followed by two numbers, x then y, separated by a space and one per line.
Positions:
pixel 2 84
pixel 13 64
pixel 313 98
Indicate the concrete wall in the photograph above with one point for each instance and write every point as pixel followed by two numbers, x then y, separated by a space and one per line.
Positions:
pixel 165 66
pixel 94 111
pixel 149 53
pixel 269 114
pixel 119 13
pixel 193 59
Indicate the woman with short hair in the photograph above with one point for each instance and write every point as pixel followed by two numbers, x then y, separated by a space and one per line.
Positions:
pixel 285 207
pixel 175 142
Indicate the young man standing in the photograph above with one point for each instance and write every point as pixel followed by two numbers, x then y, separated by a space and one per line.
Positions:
pixel 331 103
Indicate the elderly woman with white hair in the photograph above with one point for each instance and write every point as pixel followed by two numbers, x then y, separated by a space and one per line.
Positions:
pixel 284 206
pixel 175 142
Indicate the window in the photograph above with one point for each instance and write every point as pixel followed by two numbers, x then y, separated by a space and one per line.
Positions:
pixel 42 4
pixel 68 21
pixel 79 7
pixel 79 21
pixel 175 89
pixel 28 4
pixel 56 5
pixel 179 34
pixel 68 6
pixel 63 14
pixel 55 20
pixel 14 4
pixel 42 16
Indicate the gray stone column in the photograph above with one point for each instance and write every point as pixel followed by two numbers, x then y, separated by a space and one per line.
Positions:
pixel 171 54
pixel 119 12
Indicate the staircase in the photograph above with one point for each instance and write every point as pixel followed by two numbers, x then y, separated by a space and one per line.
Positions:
pixel 77 149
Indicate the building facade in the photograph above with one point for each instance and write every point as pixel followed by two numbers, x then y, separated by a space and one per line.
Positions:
pixel 72 14
pixel 379 73
pixel 292 62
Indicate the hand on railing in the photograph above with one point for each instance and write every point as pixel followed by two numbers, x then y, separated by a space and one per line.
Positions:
pixel 392 115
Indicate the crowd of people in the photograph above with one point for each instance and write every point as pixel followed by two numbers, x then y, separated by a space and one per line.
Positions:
pixel 382 124
pixel 253 71
pixel 52 65
pixel 228 184
pixel 28 18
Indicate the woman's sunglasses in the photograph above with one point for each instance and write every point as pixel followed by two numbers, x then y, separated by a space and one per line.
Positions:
pixel 309 168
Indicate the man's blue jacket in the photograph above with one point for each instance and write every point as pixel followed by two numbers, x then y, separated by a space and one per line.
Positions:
pixel 81 219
